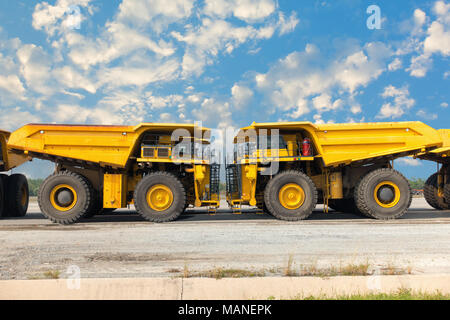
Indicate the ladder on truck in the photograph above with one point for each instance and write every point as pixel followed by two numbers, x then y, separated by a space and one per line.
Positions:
pixel 214 185
pixel 233 188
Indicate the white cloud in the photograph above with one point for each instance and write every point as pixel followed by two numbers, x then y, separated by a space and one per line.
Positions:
pixel 423 114
pixel 138 75
pixel 296 84
pixel 246 10
pixel 420 17
pixel 204 43
pixel 215 35
pixel 323 103
pixel 13 118
pixel 395 65
pixel 241 95
pixel 166 117
pixel 287 25
pixel 12 84
pixel 400 104
pixel 117 41
pixel 70 78
pixel 409 162
pixel 75 114
pixel 158 102
pixel 62 16
pixel 156 13
pixel 436 39
pixel 420 65
pixel 209 111
pixel 444 104
pixel 36 68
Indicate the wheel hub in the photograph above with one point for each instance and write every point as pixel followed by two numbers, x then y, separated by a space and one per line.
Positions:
pixel 386 194
pixel 65 197
pixel 159 197
pixel 291 196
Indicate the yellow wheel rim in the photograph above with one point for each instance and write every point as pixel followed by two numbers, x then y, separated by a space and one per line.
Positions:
pixel 56 202
pixel 292 196
pixel 159 197
pixel 392 201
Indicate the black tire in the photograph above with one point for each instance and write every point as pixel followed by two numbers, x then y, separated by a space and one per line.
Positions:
pixel 77 208
pixel 94 210
pixel 272 199
pixel 400 200
pixel 447 193
pixel 96 207
pixel 17 195
pixel 2 196
pixel 430 191
pixel 175 207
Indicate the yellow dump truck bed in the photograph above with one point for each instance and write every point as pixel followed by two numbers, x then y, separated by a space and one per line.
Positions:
pixel 104 145
pixel 441 154
pixel 339 144
pixel 9 160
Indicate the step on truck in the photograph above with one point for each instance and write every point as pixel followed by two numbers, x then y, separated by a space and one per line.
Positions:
pixel 14 192
pixel 286 168
pixel 160 168
pixel 437 186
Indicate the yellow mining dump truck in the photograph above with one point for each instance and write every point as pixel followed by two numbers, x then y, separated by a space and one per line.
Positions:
pixel 287 168
pixel 160 168
pixel 14 191
pixel 437 186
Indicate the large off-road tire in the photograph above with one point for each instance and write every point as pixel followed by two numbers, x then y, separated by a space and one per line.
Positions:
pixel 2 196
pixel 345 206
pixel 383 194
pixel 447 193
pixel 432 196
pixel 17 195
pixel 96 207
pixel 160 197
pixel 290 195
pixel 65 197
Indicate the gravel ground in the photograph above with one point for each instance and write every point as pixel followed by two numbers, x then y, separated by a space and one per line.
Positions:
pixel 123 245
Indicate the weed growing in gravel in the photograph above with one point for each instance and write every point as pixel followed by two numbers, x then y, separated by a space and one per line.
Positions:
pixel 50 274
pixel 401 294
pixel 289 272
pixel 311 270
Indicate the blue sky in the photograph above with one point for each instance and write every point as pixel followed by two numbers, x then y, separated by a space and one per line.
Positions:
pixel 226 63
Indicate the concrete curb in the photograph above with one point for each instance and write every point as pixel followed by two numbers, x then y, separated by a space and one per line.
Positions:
pixel 224 289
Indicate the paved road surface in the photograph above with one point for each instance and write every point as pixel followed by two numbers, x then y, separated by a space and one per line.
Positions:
pixel 123 245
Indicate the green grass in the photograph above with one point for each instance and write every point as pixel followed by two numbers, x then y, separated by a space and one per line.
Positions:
pixel 333 271
pixel 290 270
pixel 220 273
pixel 401 294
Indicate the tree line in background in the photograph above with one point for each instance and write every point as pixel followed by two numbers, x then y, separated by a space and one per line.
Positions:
pixel 34 184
